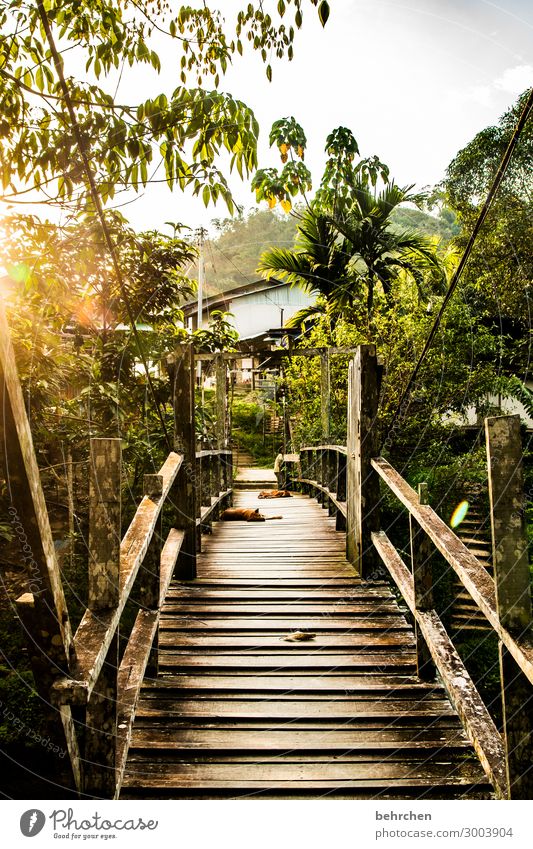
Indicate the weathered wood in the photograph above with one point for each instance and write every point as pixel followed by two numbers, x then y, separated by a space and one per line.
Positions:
pixel 43 611
pixel 471 572
pixel 101 729
pixel 29 516
pixel 184 493
pixel 221 415
pixel 362 494
pixel 95 631
pixel 169 558
pixel 325 394
pixel 59 722
pixel 150 570
pixel 513 594
pixel 105 468
pixel 475 717
pixel 509 534
pixel 517 699
pixel 293 352
pixel 423 585
pixel 130 677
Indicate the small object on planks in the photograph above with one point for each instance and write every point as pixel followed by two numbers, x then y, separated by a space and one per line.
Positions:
pixel 275 493
pixel 242 514
pixel 299 636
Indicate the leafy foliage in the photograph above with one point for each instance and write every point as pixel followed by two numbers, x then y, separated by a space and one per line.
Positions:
pixel 185 129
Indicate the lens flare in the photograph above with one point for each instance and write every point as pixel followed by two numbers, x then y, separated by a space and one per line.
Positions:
pixel 459 513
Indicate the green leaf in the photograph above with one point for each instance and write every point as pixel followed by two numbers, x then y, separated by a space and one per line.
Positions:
pixel 323 12
pixel 269 73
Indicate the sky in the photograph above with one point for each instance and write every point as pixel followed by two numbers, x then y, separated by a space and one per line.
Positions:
pixel 414 81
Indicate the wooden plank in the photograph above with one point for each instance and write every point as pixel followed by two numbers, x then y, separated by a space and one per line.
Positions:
pixel 388 685
pixel 319 774
pixel 288 609
pixel 169 558
pixel 130 676
pixel 475 717
pixel 373 640
pixel 347 710
pixel 324 740
pixel 471 572
pixel 289 623
pixel 295 661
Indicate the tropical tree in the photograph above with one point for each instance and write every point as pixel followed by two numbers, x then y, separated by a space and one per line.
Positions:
pixel 345 257
pixel 52 125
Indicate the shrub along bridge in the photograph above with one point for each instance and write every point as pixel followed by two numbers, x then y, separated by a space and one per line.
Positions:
pixel 209 698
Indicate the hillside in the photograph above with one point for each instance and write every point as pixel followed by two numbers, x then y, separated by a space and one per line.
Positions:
pixel 231 259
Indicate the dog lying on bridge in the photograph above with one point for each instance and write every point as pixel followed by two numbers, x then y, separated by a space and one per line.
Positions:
pixel 243 514
pixel 275 493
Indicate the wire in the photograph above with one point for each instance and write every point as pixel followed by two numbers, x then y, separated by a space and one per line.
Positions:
pixel 502 168
pixel 100 211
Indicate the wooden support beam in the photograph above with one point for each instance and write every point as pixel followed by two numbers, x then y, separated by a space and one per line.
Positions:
pixel 509 534
pixel 325 394
pixel 184 492
pixel 101 729
pixel 105 467
pixel 43 610
pixel 474 716
pixel 423 586
pixel 513 594
pixel 362 494
pixel 59 720
pixel 150 571
pixel 28 513
pixel 104 591
pixel 221 416
pixel 468 568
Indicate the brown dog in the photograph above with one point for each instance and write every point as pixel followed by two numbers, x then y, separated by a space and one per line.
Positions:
pixel 275 493
pixel 243 514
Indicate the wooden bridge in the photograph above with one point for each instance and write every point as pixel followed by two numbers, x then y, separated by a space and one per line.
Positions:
pixel 208 697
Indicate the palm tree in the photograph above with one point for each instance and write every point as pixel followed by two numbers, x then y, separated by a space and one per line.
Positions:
pixel 318 264
pixel 344 258
pixel 378 252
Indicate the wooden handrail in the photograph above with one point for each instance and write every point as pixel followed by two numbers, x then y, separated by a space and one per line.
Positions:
pixel 468 568
pixel 478 723
pixel 96 629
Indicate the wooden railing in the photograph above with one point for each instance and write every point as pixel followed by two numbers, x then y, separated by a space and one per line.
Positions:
pixel 347 479
pixel 82 680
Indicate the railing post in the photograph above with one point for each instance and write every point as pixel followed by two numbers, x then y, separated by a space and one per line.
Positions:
pixel 206 461
pixel 332 478
pixel 103 593
pixel 513 594
pixel 221 417
pixel 422 586
pixel 150 571
pixel 340 524
pixel 325 394
pixel 362 496
pixel 184 489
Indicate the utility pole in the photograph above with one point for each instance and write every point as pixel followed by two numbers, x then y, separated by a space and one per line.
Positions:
pixel 200 234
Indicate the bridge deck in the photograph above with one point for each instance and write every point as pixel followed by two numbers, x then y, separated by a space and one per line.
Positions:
pixel 238 711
